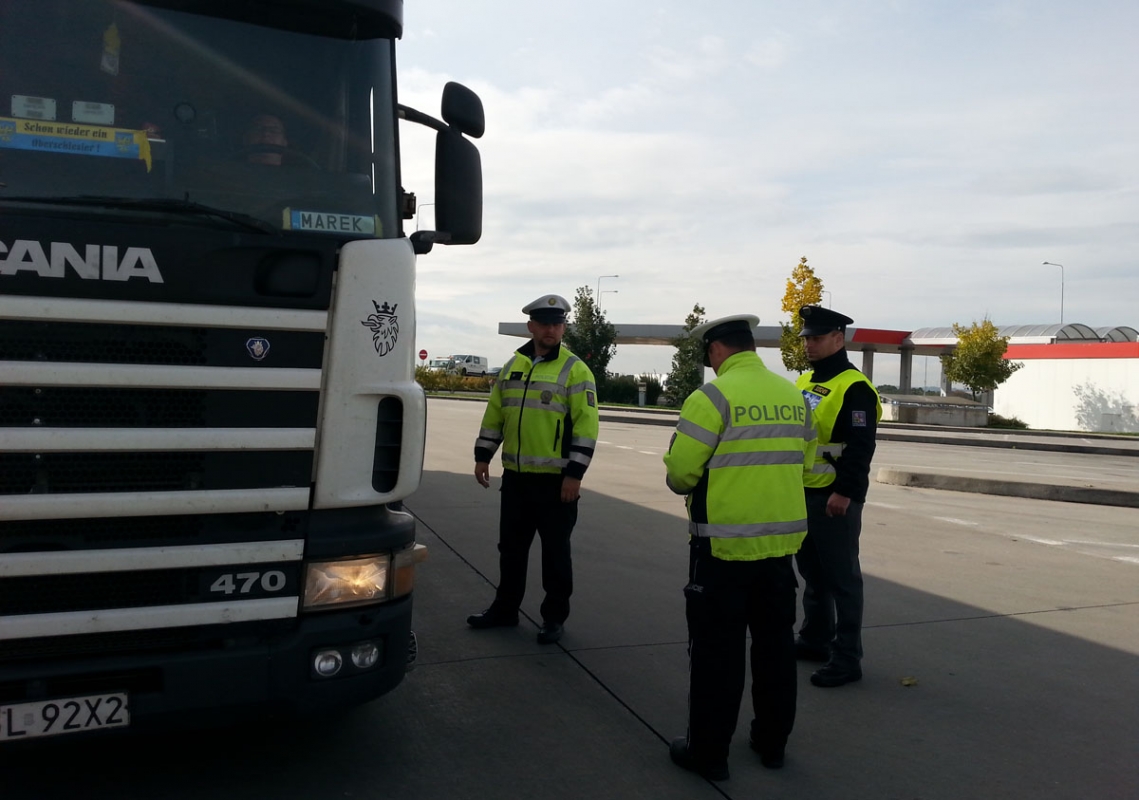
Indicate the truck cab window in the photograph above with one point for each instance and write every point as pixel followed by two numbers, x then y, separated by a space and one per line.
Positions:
pixel 142 102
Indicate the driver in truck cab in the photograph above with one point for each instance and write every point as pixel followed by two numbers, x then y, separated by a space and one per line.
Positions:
pixel 264 133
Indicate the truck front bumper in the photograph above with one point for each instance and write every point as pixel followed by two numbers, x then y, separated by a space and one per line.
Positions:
pixel 252 671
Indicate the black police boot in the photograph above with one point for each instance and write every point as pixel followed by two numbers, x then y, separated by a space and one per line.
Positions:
pixel 833 675
pixel 493 618
pixel 770 757
pixel 550 632
pixel 681 756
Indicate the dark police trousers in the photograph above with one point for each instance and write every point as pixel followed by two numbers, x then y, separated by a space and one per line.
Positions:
pixel 832 595
pixel 532 503
pixel 723 600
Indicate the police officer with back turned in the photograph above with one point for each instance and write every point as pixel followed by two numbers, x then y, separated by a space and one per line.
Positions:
pixel 740 454
pixel 543 412
pixel 846 410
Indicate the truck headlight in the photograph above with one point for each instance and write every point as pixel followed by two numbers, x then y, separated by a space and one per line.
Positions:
pixel 360 581
pixel 350 582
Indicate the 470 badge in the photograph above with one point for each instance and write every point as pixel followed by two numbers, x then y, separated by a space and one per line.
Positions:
pixel 260 580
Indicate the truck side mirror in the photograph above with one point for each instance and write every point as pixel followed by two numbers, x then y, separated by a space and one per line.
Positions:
pixel 462 110
pixel 458 167
pixel 458 189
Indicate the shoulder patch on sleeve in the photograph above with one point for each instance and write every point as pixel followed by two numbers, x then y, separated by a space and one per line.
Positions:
pixel 590 399
pixel 858 419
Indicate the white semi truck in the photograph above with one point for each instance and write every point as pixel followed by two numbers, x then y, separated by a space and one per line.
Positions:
pixel 208 416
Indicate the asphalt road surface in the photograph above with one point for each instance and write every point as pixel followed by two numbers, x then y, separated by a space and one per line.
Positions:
pixel 1001 637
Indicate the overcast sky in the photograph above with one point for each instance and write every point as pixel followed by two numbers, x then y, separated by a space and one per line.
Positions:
pixel 926 157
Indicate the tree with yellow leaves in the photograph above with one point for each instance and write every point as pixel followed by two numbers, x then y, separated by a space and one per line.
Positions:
pixel 979 361
pixel 803 289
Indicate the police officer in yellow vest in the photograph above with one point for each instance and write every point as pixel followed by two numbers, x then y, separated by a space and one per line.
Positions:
pixel 847 410
pixel 543 412
pixel 740 453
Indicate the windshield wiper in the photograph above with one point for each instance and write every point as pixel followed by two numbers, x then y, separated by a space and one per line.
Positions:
pixel 167 204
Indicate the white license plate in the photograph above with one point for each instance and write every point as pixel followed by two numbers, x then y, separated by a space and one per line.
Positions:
pixel 57 717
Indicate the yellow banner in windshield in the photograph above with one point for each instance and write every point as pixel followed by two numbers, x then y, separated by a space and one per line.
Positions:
pixel 68 137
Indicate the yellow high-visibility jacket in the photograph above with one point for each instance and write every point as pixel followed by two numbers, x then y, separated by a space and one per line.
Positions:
pixel 543 413
pixel 826 401
pixel 741 450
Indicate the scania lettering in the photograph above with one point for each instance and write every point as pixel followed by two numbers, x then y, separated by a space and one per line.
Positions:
pixel 96 262
pixel 208 413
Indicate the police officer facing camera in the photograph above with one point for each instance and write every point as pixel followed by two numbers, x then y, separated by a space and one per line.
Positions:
pixel 543 413
pixel 740 454
pixel 847 410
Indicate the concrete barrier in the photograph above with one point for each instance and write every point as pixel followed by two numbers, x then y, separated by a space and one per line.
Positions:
pixel 895 435
pixel 950 412
pixel 1034 491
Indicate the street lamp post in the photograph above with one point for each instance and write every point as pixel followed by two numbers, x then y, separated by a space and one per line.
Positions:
pixel 1061 266
pixel 828 294
pixel 599 279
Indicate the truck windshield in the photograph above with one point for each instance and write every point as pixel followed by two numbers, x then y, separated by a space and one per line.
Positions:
pixel 110 102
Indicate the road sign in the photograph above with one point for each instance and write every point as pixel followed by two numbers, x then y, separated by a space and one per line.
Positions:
pixel 422 355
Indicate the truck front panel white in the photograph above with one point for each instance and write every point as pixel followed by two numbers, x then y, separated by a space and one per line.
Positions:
pixel 371 356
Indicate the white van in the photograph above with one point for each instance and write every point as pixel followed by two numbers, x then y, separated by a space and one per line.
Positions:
pixel 470 365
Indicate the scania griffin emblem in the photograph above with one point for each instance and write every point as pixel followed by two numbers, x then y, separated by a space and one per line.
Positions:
pixel 258 348
pixel 385 327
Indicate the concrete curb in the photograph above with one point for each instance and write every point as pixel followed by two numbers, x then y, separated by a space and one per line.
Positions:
pixel 1012 433
pixel 1034 491
pixel 886 435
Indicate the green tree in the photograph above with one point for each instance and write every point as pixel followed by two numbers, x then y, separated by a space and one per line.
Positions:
pixel 803 289
pixel 591 337
pixel 978 360
pixel 687 374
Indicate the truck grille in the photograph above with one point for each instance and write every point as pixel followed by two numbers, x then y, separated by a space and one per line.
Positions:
pixel 52 387
pixel 158 345
pixel 153 408
pixel 102 344
pixel 182 530
pixel 45 594
pixel 122 437
pixel 215 637
pixel 100 408
pixel 68 473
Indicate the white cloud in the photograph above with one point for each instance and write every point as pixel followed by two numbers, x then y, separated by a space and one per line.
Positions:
pixel 925 161
pixel 771 52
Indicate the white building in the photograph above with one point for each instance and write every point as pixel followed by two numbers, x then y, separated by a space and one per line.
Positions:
pixel 1089 386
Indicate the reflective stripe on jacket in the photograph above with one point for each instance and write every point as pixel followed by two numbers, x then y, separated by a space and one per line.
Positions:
pixel 543 413
pixel 825 399
pixel 740 453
